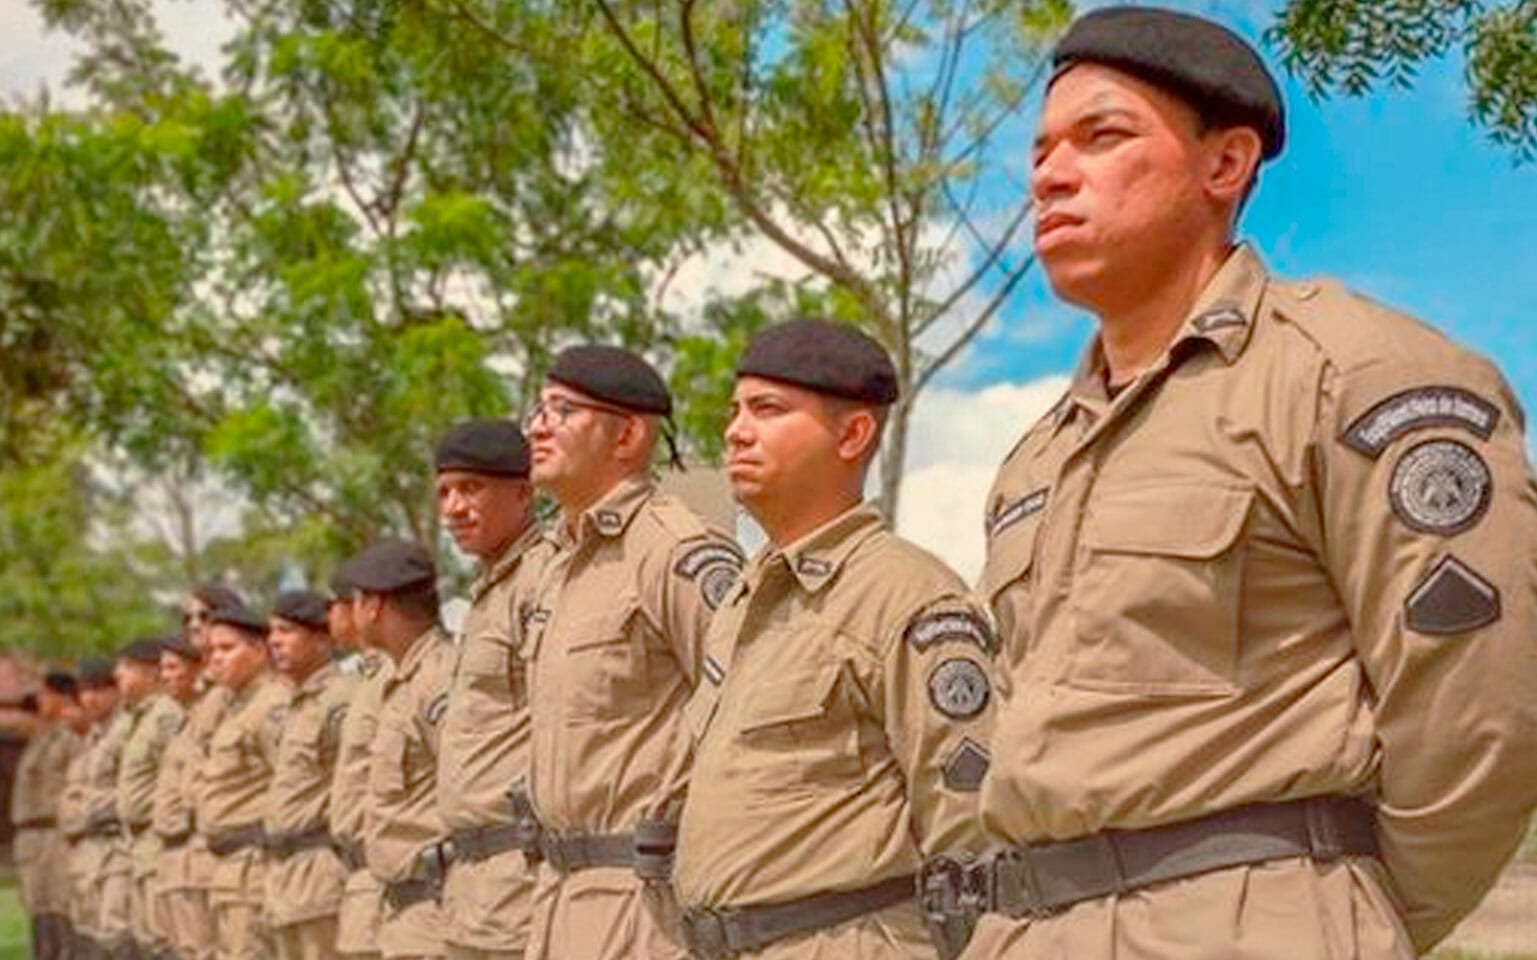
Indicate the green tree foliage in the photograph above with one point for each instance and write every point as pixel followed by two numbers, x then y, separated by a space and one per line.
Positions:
pixel 1353 45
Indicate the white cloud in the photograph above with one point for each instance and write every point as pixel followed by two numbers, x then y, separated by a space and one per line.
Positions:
pixel 958 439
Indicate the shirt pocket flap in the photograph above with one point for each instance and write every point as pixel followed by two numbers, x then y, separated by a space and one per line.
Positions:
pixel 1169 521
pixel 805 696
pixel 608 626
pixel 1009 557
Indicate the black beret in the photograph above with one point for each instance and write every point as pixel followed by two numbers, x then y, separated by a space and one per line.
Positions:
pixel 1209 66
pixel 217 595
pixel 302 607
pixel 614 376
pixel 489 446
pixel 142 650
pixel 181 646
pixel 826 357
pixel 60 681
pixel 238 615
pixel 390 566
pixel 97 672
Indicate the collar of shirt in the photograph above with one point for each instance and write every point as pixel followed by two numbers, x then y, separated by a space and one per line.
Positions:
pixel 505 562
pixel 316 682
pixel 816 558
pixel 254 686
pixel 610 515
pixel 1223 316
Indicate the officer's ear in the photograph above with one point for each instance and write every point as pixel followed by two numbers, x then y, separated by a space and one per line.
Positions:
pixel 1231 159
pixel 859 433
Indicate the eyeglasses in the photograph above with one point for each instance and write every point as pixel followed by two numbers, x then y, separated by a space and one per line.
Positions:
pixel 557 410
pixel 196 616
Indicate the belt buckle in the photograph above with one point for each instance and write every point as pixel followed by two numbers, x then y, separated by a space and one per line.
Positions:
pixel 553 848
pixel 1016 890
pixel 705 931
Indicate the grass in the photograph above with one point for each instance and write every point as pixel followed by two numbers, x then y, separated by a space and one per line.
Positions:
pixel 15 929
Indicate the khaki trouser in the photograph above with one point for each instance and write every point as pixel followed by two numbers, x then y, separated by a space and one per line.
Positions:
pixel 238 931
pixel 486 903
pixel 357 924
pixel 190 923
pixel 308 940
pixel 605 913
pixel 1287 908
pixel 895 933
pixel 114 924
pixel 415 932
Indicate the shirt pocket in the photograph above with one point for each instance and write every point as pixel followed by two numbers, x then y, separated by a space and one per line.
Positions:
pixel 387 766
pixel 799 735
pixel 1158 595
pixel 606 664
pixel 491 667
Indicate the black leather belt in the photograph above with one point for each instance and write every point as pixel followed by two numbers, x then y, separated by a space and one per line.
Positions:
pixel 230 841
pixel 1041 880
pixel 351 853
pixel 719 934
pixel 483 843
pixel 406 893
pixel 175 841
pixel 37 823
pixel 102 827
pixel 285 845
pixel 135 829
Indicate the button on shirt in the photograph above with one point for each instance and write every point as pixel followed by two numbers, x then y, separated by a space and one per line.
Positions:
pixel 842 721
pixel 1293 558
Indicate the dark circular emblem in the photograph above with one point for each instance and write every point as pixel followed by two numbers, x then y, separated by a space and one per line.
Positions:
pixel 959 689
pixel 1440 487
pixel 716 582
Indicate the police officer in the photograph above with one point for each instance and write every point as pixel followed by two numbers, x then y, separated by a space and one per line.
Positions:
pixel 615 652
pixel 39 846
pixel 186 866
pixel 304 875
pixel 170 817
pixel 486 504
pixel 232 796
pixel 1265 573
pixel 111 878
pixel 155 718
pixel 841 725
pixel 79 822
pixel 396 611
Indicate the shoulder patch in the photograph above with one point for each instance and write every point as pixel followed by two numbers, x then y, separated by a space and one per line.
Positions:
pixel 944 626
pixel 1440 487
pixel 1416 409
pixel 713 566
pixel 959 688
pixel 435 709
pixel 169 723
pixel 966 766
pixel 1453 598
pixel 1008 514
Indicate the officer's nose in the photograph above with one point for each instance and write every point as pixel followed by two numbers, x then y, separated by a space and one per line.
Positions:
pixel 1054 175
pixel 738 432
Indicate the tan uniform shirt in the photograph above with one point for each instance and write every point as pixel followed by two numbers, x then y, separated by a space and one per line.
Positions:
pixel 484 740
pixel 156 721
pixel 242 756
pixel 401 818
pixel 72 809
pixel 41 776
pixel 349 786
pixel 842 721
pixel 623 607
pixel 106 757
pixel 176 790
pixel 1295 557
pixel 308 883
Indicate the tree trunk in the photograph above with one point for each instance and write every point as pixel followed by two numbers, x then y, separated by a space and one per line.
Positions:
pixel 894 457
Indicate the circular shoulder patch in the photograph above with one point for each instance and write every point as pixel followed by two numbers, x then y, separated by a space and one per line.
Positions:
pixel 1440 487
pixel 959 689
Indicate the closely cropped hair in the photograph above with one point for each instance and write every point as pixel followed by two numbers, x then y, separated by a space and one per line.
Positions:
pixel 419 601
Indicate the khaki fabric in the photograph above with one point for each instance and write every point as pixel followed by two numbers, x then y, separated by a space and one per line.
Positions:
pixel 842 722
pixel 184 871
pixel 615 650
pixel 306 940
pixel 36 793
pixel 156 721
pixel 110 877
pixel 896 932
pixel 308 884
pixel 84 852
pixel 456 952
pixel 239 933
pixel 358 916
pixel 401 819
pixel 484 748
pixel 604 913
pixel 1208 588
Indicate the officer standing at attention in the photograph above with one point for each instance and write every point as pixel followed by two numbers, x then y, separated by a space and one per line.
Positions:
pixel 181 665
pixel 486 504
pixel 112 876
pixel 84 828
pixel 396 610
pixel 186 867
pixel 156 718
pixel 841 725
pixel 357 920
pixel 236 775
pixel 304 875
pixel 39 846
pixel 615 654
pixel 1265 575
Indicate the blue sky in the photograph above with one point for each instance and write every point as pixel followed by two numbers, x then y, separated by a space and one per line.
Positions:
pixel 1396 194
